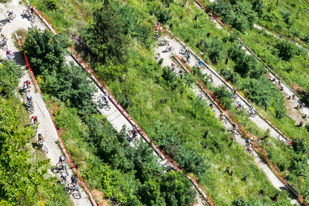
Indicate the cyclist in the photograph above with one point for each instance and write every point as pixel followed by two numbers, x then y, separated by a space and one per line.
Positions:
pixel 26 84
pixel 63 178
pixel 61 160
pixel 134 131
pixel 238 104
pixel 302 105
pixel 35 119
pixel 165 41
pixel 30 8
pixel 158 56
pixel 170 47
pixel 106 98
pixel 4 37
pixel 280 84
pixel 74 181
pixel 29 99
pixel 211 78
pixel 173 65
pixel 41 139
pixel 9 54
pixel 10 15
pixel 188 56
pixel 252 111
pixel 156 36
pixel 212 107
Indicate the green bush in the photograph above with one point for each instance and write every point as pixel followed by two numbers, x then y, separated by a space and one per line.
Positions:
pixel 9 78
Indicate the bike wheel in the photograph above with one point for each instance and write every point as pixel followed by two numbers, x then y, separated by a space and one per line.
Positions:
pixel 44 150
pixel 25 12
pixel 14 16
pixel 77 195
pixel 31 109
pixel 32 19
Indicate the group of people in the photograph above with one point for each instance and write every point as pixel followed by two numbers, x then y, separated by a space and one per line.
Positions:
pixel 64 175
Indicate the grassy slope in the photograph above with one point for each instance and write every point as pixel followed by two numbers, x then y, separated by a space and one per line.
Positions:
pixel 179 110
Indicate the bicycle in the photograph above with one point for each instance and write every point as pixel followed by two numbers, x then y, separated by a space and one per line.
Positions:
pixel 25 91
pixel 74 190
pixel 30 16
pixel 30 107
pixel 62 167
pixel 6 15
pixel 168 49
pixel 106 105
pixel 43 147
pixel 10 57
pixel 4 43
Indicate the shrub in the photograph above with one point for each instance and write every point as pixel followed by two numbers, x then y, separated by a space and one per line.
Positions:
pixel 160 61
pixel 223 95
pixel 287 50
pixel 9 78
pixel 214 48
pixel 164 15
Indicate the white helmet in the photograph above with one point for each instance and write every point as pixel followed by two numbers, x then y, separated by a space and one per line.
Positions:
pixel 28 4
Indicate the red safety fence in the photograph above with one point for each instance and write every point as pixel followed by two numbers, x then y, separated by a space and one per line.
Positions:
pixel 102 85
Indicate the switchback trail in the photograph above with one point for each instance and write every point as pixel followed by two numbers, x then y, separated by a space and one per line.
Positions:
pixel 168 60
pixel 287 90
pixel 116 117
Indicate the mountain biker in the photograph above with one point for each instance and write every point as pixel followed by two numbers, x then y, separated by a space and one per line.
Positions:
pixel 238 104
pixel 29 99
pixel 4 37
pixel 106 98
pixel 158 56
pixel 8 53
pixel 26 84
pixel 156 36
pixel 188 57
pixel 74 181
pixel 302 105
pixel 10 15
pixel 61 160
pixel 30 9
pixel 134 131
pixel 41 139
pixel 173 65
pixel 35 119
pixel 252 111
pixel 63 178
pixel 165 40
pixel 212 107
pixel 211 78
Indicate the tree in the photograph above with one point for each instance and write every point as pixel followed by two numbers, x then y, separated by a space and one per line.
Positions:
pixel 163 16
pixel 177 189
pixel 9 78
pixel 223 95
pixel 299 146
pixel 106 35
pixel 299 165
pixel 71 84
pixel 45 49
pixel 286 49
pixel 214 48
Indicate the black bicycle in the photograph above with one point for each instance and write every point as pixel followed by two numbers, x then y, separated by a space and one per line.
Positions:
pixel 74 190
pixel 103 104
pixel 30 107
